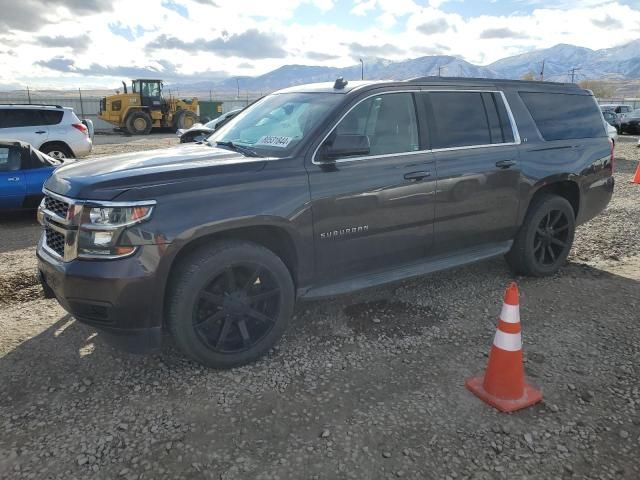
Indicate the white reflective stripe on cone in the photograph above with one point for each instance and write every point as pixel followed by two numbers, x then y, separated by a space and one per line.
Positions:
pixel 510 313
pixel 511 342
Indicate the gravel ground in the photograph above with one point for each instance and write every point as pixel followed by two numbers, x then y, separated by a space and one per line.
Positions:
pixel 366 386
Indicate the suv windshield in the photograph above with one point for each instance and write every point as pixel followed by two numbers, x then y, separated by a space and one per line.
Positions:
pixel 274 125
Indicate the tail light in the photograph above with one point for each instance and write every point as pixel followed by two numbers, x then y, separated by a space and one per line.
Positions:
pixel 82 127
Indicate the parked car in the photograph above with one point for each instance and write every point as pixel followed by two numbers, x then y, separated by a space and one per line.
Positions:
pixel 612 119
pixel 23 170
pixel 199 132
pixel 631 123
pixel 52 129
pixel 619 109
pixel 319 190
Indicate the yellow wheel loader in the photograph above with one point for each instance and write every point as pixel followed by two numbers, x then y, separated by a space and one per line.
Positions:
pixel 146 108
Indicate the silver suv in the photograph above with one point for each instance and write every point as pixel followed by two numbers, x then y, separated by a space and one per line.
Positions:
pixel 52 129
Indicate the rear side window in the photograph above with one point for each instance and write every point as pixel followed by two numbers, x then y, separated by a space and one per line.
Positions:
pixel 464 119
pixel 561 116
pixel 51 117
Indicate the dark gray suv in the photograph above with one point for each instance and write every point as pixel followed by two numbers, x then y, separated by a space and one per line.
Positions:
pixel 320 190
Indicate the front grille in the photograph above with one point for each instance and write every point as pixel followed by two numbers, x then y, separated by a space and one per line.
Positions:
pixel 54 240
pixel 56 206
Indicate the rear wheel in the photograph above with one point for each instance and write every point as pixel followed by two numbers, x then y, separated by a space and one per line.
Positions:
pixel 57 150
pixel 543 243
pixel 230 303
pixel 138 123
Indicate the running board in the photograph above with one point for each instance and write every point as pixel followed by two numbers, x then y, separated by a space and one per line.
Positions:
pixel 404 272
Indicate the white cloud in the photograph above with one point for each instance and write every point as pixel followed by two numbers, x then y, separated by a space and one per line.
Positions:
pixel 407 25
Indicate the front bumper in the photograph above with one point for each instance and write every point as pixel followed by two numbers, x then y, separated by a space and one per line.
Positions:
pixel 118 297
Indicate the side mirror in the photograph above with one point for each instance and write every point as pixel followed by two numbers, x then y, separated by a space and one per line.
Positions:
pixel 345 146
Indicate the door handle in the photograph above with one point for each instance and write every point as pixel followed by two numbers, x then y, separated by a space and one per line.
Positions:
pixel 39 132
pixel 13 179
pixel 416 175
pixel 505 163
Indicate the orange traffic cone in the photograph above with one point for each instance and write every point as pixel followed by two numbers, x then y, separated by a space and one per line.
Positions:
pixel 503 385
pixel 636 177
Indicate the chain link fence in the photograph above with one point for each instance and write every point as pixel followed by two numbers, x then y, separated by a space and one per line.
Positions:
pixel 87 105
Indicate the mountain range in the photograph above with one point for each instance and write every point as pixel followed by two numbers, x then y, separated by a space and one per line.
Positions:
pixel 617 63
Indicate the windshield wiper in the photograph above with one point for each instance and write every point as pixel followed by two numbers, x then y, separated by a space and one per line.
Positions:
pixel 246 151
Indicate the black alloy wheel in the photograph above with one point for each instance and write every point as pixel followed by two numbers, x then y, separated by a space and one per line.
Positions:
pixel 237 308
pixel 551 240
pixel 230 302
pixel 545 237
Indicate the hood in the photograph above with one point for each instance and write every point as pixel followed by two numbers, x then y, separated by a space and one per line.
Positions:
pixel 106 177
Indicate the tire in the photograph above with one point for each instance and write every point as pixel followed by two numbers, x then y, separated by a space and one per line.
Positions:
pixel 533 252
pixel 185 119
pixel 138 123
pixel 229 303
pixel 57 150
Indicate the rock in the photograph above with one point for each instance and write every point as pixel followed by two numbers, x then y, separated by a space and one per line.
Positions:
pixel 375 320
pixel 82 460
pixel 528 438
pixel 624 434
pixel 386 454
pixel 325 434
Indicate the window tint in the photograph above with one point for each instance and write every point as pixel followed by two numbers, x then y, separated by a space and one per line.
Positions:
pixel 9 159
pixel 51 117
pixel 18 117
pixel 389 121
pixel 561 116
pixel 460 119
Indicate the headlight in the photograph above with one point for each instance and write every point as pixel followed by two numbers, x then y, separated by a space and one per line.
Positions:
pixel 102 227
pixel 118 216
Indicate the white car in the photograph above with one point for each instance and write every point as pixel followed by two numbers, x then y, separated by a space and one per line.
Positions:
pixel 52 129
pixel 199 131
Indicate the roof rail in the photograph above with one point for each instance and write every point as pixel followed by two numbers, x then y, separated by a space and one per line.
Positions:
pixel 34 104
pixel 487 80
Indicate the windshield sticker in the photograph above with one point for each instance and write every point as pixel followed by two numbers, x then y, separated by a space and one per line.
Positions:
pixel 274 141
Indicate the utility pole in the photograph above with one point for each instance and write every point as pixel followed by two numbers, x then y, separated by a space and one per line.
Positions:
pixel 238 85
pixel 361 69
pixel 440 68
pixel 542 71
pixel 572 72
pixel 29 95
pixel 81 105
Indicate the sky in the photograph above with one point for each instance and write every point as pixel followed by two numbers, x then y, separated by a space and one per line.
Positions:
pixel 98 43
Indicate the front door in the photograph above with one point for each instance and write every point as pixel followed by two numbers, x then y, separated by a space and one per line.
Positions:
pixel 478 171
pixel 374 210
pixel 12 179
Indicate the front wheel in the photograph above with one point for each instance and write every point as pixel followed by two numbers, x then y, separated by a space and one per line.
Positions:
pixel 230 303
pixel 542 245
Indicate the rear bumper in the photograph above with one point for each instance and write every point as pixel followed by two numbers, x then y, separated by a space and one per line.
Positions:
pixel 82 148
pixel 114 296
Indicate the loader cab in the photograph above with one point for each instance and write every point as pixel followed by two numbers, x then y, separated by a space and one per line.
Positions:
pixel 150 92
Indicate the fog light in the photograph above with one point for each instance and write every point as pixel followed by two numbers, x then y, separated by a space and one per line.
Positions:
pixel 102 238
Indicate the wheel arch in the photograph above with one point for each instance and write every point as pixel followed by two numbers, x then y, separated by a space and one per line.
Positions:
pixel 277 237
pixel 564 186
pixel 49 143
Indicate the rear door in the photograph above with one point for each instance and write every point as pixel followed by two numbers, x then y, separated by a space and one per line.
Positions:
pixel 23 124
pixel 374 211
pixel 12 179
pixel 478 173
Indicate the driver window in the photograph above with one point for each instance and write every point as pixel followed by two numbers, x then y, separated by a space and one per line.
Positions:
pixel 389 121
pixel 9 159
